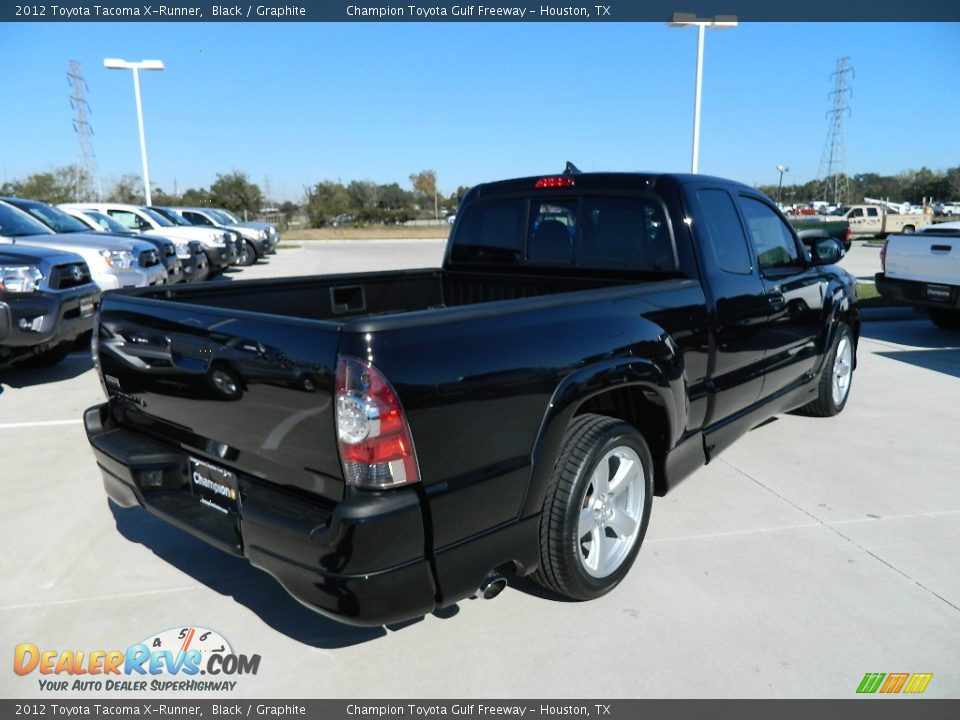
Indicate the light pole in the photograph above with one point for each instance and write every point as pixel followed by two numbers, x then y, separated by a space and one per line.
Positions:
pixel 118 64
pixel 721 22
pixel 782 169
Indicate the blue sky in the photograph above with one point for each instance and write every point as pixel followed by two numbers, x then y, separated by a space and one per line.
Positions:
pixel 295 103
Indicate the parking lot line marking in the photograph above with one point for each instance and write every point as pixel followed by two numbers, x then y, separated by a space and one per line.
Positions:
pixel 95 598
pixel 40 423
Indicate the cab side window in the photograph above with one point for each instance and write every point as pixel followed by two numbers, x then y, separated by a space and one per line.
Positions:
pixel 723 232
pixel 125 218
pixel 196 218
pixel 773 243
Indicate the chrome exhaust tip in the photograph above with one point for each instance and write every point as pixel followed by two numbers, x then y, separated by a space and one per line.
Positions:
pixel 492 586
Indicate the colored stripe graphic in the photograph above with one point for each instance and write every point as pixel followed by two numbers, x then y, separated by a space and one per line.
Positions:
pixel 918 683
pixel 870 682
pixel 894 683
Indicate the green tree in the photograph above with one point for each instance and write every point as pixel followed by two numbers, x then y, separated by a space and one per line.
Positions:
pixel 195 197
pixel 425 189
pixel 235 192
pixel 325 201
pixel 63 184
pixel 457 196
pixel 160 197
pixel 396 204
pixel 289 209
pixel 128 189
pixel 364 196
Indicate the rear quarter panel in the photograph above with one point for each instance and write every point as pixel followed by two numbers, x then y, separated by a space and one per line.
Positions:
pixel 476 386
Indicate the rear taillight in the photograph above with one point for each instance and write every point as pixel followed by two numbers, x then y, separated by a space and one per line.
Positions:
pixel 554 182
pixel 883 256
pixel 376 447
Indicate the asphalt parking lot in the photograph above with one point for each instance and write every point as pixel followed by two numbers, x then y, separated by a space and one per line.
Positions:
pixel 812 552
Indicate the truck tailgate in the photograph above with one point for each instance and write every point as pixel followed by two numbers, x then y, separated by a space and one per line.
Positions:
pixel 924 257
pixel 240 389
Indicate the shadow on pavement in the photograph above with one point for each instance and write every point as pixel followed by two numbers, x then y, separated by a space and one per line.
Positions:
pixel 937 349
pixel 237 578
pixel 943 361
pixel 75 364
pixel 919 333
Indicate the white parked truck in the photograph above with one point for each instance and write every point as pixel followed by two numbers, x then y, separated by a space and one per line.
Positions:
pixel 924 270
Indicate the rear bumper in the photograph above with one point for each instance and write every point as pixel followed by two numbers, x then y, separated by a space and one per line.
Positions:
pixel 360 561
pixel 917 293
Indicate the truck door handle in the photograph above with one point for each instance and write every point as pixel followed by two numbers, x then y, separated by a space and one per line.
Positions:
pixel 777 301
pixel 941 248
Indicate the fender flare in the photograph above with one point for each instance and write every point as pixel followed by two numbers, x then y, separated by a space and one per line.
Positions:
pixel 839 308
pixel 663 379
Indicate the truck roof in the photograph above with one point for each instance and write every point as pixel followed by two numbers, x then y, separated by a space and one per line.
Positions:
pixel 603 181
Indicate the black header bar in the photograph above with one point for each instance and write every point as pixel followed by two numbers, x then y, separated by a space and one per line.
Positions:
pixel 517 11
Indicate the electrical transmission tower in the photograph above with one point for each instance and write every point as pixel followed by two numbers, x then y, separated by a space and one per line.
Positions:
pixel 88 176
pixel 833 162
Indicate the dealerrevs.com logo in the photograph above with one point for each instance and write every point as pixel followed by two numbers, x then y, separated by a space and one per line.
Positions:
pixel 184 659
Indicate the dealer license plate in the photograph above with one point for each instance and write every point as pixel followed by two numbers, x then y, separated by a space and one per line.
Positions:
pixel 216 487
pixel 938 292
pixel 87 306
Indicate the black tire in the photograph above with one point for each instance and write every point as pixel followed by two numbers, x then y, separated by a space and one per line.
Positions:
pixel 248 254
pixel 48 358
pixel 909 230
pixel 825 404
pixel 588 440
pixel 223 382
pixel 944 318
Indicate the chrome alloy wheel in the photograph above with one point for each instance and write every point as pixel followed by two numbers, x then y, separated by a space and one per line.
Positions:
pixel 224 382
pixel 610 512
pixel 842 370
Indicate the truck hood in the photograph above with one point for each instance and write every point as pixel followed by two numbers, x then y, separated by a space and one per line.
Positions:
pixel 207 236
pixel 33 255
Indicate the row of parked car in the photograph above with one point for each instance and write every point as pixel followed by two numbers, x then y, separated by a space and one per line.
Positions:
pixel 56 261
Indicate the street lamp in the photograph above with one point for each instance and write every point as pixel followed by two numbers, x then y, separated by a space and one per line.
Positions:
pixel 721 22
pixel 118 64
pixel 782 169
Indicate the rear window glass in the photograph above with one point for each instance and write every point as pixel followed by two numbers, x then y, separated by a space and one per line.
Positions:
pixel 599 232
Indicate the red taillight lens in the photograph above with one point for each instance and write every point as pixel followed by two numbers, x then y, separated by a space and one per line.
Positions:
pixel 554 182
pixel 883 257
pixel 376 447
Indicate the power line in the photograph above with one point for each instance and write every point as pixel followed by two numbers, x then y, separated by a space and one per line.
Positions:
pixel 88 183
pixel 833 162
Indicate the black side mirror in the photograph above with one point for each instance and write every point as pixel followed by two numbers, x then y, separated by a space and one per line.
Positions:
pixel 826 251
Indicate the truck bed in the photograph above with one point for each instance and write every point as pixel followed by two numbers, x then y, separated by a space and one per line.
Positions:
pixel 351 296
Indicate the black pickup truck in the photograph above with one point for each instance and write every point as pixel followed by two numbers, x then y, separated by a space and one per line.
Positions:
pixel 47 301
pixel 385 444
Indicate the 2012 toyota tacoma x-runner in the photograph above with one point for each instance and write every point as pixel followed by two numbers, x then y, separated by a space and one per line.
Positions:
pixel 385 444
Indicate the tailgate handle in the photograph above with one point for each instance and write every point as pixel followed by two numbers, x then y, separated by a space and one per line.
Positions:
pixel 347 298
pixel 941 248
